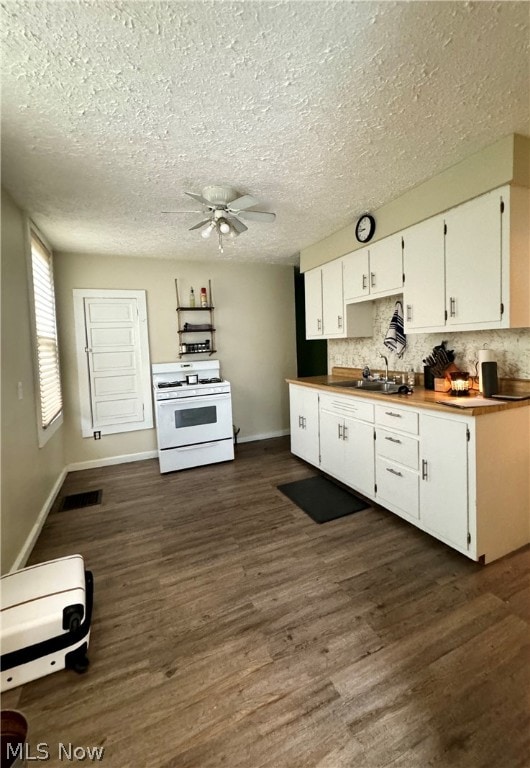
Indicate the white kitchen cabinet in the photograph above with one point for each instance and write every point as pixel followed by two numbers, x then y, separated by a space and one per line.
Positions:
pixel 324 305
pixel 424 266
pixel 375 271
pixel 474 273
pixel 326 315
pixel 473 261
pixel 347 441
pixel 304 422
pixel 444 489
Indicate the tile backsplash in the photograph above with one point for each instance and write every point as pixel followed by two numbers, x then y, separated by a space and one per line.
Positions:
pixel 511 347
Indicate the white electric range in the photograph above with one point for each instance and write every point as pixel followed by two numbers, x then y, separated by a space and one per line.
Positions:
pixel 193 408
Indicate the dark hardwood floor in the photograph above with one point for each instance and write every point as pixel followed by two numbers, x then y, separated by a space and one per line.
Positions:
pixel 231 630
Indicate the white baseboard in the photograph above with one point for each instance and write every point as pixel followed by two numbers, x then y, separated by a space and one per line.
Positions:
pixel 264 436
pixel 124 459
pixel 30 542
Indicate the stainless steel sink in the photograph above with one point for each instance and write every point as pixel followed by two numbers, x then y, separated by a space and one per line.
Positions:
pixel 387 387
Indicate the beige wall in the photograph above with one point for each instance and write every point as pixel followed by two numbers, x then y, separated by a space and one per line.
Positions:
pixel 505 161
pixel 29 474
pixel 255 321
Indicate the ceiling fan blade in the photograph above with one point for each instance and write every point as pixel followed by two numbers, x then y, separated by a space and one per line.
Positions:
pixel 242 203
pixel 200 224
pixel 237 225
pixel 199 198
pixel 258 215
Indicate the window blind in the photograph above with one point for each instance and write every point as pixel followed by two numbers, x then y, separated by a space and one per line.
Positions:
pixel 51 402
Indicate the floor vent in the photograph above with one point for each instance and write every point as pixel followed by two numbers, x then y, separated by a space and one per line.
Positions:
pixel 79 500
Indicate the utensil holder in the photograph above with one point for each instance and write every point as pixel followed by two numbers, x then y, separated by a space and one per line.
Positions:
pixel 428 378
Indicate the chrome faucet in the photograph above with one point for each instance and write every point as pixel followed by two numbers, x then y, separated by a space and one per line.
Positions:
pixel 385 358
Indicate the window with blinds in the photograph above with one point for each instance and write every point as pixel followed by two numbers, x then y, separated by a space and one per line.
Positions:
pixel 47 351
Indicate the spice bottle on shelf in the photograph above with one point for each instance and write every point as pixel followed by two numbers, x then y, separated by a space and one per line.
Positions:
pixel 204 298
pixel 192 297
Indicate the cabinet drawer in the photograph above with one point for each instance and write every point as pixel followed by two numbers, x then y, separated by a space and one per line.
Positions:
pixel 397 487
pixel 347 406
pixel 397 418
pixel 397 447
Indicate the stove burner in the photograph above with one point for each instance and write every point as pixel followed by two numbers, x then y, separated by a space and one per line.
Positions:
pixel 165 384
pixel 213 380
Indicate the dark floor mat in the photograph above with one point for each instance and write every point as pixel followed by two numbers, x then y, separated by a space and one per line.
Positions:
pixel 321 499
pixel 79 500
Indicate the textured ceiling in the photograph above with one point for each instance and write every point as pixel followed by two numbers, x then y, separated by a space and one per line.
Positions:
pixel 321 110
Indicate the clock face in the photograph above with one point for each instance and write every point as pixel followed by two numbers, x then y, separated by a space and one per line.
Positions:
pixel 365 228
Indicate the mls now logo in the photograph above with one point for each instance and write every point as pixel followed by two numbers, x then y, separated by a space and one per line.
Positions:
pixel 66 752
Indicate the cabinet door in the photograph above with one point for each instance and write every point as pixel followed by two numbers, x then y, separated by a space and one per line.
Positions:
pixel 386 266
pixel 332 299
pixel 444 479
pixel 356 275
pixel 313 304
pixel 331 443
pixel 473 261
pixel 304 422
pixel 359 470
pixel 424 290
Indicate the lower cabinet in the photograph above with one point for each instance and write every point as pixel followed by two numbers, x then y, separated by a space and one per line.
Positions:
pixel 461 479
pixel 304 422
pixel 347 441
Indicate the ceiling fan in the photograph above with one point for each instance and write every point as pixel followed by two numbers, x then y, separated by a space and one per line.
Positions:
pixel 224 208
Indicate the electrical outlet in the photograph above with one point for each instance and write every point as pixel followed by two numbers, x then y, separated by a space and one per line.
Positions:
pixel 97 435
pixel 20 391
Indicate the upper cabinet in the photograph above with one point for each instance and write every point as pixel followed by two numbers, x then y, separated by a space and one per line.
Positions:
pixel 324 306
pixel 424 291
pixel 469 269
pixel 326 315
pixel 375 271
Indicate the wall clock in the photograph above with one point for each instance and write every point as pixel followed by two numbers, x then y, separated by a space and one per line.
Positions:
pixel 365 228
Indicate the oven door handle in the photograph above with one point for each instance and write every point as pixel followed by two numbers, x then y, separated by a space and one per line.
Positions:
pixel 197 445
pixel 194 399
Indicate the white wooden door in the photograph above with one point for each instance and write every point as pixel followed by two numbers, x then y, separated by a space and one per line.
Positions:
pixel 113 357
pixel 304 422
pixel 473 261
pixel 332 299
pixel 356 275
pixel 331 443
pixel 424 266
pixel 313 304
pixel 444 479
pixel 386 266
pixel 359 466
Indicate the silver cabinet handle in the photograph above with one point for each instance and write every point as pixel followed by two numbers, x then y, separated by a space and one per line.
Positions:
pixel 393 440
pixel 409 312
pixel 424 469
pixel 372 279
pixel 345 432
pixel 339 321
pixel 340 431
pixel 300 422
pixel 365 282
pixel 452 306
pixel 393 471
pixel 304 422
pixel 391 413
pixel 319 324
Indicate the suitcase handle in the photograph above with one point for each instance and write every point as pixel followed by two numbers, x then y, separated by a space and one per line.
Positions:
pixel 54 644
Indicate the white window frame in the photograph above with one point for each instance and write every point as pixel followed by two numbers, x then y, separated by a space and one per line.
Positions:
pixel 43 433
pixel 79 296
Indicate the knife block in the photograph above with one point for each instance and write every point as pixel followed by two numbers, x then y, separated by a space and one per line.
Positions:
pixel 441 385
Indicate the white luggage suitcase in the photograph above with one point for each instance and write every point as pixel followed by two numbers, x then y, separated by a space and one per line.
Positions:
pixel 45 620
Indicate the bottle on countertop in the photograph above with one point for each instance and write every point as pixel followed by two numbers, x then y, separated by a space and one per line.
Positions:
pixel 192 297
pixel 204 298
pixel 411 378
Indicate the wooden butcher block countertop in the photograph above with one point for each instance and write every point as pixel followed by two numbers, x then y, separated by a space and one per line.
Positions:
pixel 420 398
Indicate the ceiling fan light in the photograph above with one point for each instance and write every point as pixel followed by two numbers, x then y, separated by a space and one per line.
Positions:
pixel 224 226
pixel 207 231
